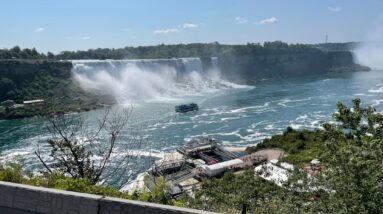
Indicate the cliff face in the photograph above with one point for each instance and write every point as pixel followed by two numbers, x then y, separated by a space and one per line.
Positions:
pixel 51 81
pixel 32 79
pixel 254 67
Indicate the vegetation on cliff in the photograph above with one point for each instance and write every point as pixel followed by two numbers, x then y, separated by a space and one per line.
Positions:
pixel 302 146
pixel 161 51
pixel 47 80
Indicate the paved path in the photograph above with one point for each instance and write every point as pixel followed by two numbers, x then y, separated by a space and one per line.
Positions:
pixel 271 153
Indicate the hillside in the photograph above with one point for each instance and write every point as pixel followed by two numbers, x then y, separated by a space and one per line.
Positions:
pixel 51 81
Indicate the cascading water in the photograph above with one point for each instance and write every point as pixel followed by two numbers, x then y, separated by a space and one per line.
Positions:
pixel 149 79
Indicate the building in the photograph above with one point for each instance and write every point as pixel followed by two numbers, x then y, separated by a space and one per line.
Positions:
pixel 32 102
pixel 199 158
pixel 220 168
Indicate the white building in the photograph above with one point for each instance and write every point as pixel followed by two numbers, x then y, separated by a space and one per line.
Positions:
pixel 32 101
pixel 219 168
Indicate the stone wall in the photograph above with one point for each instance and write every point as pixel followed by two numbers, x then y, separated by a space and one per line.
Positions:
pixel 24 199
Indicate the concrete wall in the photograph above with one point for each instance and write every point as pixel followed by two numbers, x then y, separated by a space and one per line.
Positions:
pixel 24 199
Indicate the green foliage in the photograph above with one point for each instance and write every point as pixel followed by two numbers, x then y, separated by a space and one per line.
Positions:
pixel 77 185
pixel 11 172
pixel 18 53
pixel 235 192
pixel 41 79
pixel 354 156
pixel 84 186
pixel 32 79
pixel 157 193
pixel 6 84
pixel 301 146
pixel 350 179
pixel 169 51
pixel 184 50
pixel 44 180
pixel 358 122
pixel 347 46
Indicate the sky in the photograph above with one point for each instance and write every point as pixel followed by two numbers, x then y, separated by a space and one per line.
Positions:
pixel 53 25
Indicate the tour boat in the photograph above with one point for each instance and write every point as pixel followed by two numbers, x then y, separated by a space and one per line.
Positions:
pixel 186 108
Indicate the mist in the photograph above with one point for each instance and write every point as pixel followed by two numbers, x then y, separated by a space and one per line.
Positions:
pixel 132 80
pixel 370 51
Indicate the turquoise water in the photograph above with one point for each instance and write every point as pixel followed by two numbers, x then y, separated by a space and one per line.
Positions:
pixel 237 116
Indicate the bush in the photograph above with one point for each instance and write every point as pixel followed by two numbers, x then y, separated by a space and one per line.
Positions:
pixel 12 173
pixel 301 145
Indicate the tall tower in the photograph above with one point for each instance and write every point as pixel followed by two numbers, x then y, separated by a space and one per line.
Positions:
pixel 326 40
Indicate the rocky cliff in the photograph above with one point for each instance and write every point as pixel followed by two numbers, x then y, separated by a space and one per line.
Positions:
pixel 254 67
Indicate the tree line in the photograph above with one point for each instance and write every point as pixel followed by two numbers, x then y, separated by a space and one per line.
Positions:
pixel 162 51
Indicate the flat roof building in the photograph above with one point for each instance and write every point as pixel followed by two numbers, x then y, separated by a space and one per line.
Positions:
pixel 32 101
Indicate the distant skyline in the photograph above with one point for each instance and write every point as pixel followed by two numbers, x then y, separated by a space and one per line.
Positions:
pixel 52 25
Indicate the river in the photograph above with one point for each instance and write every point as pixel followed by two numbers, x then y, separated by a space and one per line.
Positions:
pixel 236 115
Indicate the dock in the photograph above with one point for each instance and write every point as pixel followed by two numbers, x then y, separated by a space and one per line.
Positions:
pixel 197 159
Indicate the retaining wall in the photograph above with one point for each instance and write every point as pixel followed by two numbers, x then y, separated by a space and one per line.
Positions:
pixel 24 199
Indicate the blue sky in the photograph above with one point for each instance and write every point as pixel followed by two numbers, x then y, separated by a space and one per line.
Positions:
pixel 52 25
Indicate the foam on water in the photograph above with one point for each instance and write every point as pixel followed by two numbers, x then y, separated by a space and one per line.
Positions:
pixel 374 90
pixel 158 79
pixel 237 116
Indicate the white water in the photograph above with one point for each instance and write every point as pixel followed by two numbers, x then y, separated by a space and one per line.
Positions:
pixel 370 52
pixel 156 79
pixel 237 118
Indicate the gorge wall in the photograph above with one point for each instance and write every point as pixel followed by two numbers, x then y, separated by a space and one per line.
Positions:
pixel 254 67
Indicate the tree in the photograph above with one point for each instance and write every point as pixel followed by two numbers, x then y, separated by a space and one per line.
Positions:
pixel 235 192
pixel 351 180
pixel 79 152
pixel 158 192
pixel 50 55
pixel 6 84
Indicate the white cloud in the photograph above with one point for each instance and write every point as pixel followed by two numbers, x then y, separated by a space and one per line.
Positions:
pixel 271 20
pixel 189 25
pixel 334 9
pixel 86 38
pixel 39 29
pixel 166 31
pixel 240 20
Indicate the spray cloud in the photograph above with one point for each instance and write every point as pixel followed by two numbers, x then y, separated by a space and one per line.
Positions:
pixel 127 80
pixel 370 52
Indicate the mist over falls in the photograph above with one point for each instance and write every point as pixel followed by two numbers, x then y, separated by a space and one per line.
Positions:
pixel 127 80
pixel 370 52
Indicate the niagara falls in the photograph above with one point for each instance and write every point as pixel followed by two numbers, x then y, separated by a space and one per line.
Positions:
pixel 197 107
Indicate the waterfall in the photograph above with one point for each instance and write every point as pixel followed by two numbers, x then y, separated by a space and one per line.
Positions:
pixel 145 79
